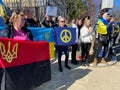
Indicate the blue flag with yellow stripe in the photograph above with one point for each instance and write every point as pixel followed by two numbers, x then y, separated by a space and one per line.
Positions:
pixel 42 34
pixel 65 35
pixel 45 34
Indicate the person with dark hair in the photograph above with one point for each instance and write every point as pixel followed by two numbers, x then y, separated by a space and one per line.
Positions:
pixel 113 29
pixel 74 46
pixel 79 25
pixel 36 21
pixel 29 21
pixel 55 21
pixel 47 22
pixel 85 18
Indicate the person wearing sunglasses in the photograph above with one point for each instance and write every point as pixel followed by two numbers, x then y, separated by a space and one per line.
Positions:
pixel 61 49
pixel 16 29
pixel 103 39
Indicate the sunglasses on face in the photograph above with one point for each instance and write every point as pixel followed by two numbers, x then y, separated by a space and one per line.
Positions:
pixel 62 21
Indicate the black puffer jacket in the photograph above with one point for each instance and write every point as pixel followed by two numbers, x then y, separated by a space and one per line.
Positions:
pixel 31 23
pixel 8 32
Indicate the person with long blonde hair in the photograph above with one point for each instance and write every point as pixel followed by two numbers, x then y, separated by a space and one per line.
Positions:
pixel 86 38
pixel 17 29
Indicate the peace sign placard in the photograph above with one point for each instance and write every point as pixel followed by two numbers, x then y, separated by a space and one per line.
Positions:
pixel 65 35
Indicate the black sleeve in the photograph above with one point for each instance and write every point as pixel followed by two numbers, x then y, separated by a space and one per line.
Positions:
pixel 28 32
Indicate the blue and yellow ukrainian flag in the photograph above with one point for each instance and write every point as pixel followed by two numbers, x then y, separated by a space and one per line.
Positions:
pixel 3 12
pixel 45 34
pixel 101 28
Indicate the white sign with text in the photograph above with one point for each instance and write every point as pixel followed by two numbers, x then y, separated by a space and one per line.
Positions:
pixel 51 11
pixel 107 4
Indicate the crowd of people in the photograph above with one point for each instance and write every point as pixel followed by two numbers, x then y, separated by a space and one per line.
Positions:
pixel 87 41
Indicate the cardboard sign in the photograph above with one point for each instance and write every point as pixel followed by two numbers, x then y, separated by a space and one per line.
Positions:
pixel 51 11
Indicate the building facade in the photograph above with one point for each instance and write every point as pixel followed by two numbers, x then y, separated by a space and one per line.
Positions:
pixel 38 6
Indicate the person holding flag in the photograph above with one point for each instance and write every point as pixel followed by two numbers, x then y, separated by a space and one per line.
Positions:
pixel 19 55
pixel 16 29
pixel 103 38
pixel 60 49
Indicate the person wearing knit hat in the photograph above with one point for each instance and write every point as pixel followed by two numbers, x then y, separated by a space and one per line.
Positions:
pixel 103 39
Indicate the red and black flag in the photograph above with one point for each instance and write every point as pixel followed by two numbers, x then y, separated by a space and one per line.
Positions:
pixel 23 64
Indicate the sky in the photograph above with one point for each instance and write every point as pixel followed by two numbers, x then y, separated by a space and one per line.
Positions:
pixel 116 7
pixel 116 4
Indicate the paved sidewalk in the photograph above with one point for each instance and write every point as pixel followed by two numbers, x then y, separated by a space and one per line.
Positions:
pixel 83 78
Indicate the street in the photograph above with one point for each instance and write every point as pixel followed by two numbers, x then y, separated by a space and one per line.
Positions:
pixel 83 78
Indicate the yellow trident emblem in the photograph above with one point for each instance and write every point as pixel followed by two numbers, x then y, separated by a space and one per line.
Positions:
pixel 7 54
pixel 47 35
pixel 65 36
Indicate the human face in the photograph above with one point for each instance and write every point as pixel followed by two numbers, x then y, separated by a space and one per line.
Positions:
pixel 29 14
pixel 108 17
pixel 20 22
pixel 73 21
pixel 80 22
pixel 47 18
pixel 88 23
pixel 62 22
